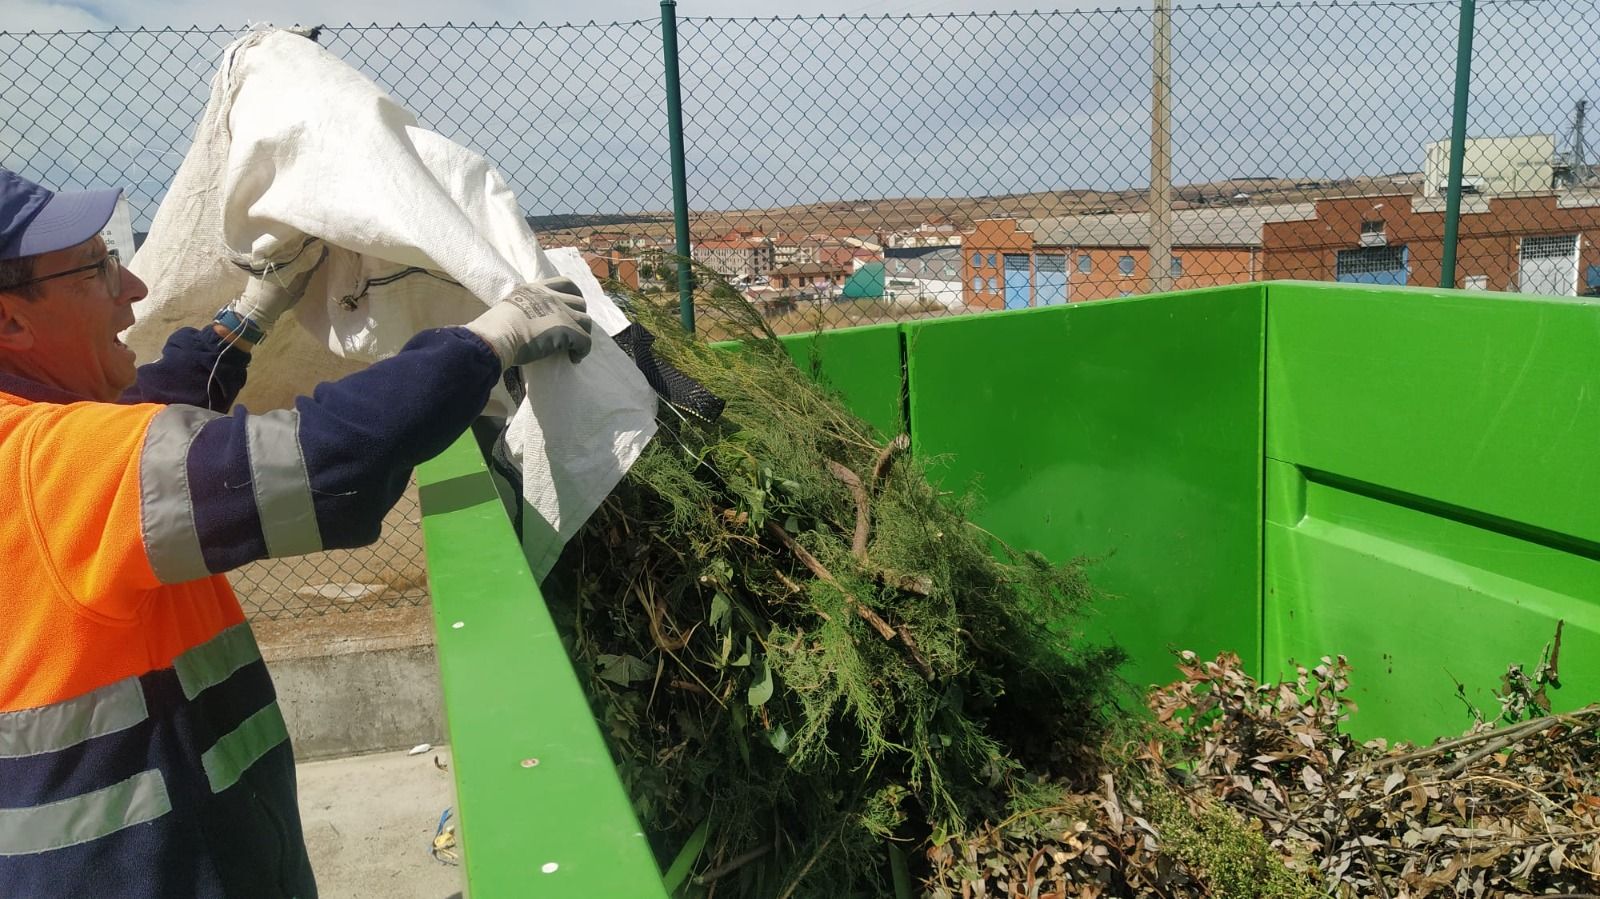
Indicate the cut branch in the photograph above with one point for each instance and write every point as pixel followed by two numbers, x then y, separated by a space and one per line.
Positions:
pixel 881 468
pixel 858 543
pixel 916 655
pixel 821 571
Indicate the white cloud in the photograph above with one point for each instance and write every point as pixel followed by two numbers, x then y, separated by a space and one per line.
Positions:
pixel 34 15
pixel 25 15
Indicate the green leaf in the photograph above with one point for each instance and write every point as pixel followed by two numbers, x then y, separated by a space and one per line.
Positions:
pixel 760 684
pixel 778 737
pixel 678 874
pixel 721 608
pixel 624 669
pixel 743 660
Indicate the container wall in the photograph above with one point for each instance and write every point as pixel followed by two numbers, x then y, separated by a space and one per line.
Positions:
pixel 1128 432
pixel 863 366
pixel 1433 488
pixel 541 809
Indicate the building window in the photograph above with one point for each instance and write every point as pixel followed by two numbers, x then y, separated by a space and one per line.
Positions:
pixel 994 285
pixel 977 260
pixel 1125 265
pixel 977 284
pixel 1372 265
pixel 1177 266
pixel 991 260
pixel 1084 265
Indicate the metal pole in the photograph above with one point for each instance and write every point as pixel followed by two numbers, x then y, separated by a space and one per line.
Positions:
pixel 1580 162
pixel 680 189
pixel 1161 154
pixel 1458 144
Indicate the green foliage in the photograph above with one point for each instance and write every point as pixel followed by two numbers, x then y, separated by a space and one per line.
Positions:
pixel 742 686
pixel 1232 856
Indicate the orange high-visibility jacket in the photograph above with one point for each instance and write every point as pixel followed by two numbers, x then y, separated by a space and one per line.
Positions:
pixel 142 751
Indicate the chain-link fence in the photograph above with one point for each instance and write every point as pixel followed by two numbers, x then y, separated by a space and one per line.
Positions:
pixel 389 574
pixel 858 169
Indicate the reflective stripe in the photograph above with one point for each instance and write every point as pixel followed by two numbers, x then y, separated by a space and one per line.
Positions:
pixel 283 489
pixel 63 725
pixel 167 514
pixel 56 825
pixel 245 746
pixel 215 660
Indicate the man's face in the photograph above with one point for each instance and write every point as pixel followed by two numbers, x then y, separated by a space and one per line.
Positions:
pixel 73 322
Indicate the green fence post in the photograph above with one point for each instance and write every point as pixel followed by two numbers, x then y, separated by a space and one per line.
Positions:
pixel 1458 144
pixel 680 189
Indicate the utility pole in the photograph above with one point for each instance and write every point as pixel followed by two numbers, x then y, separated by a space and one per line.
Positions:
pixel 1161 153
pixel 1580 162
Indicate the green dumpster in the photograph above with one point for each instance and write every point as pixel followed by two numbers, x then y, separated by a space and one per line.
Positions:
pixel 1282 469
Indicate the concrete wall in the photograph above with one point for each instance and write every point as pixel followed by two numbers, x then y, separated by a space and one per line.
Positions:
pixel 357 681
pixel 1494 165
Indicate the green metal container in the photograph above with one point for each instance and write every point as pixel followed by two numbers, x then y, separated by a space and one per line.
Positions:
pixel 1286 470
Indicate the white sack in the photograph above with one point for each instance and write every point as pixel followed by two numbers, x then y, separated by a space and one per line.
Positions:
pixel 294 141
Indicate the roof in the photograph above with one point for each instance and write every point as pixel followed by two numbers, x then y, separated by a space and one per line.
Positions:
pixel 808 268
pixel 735 243
pixel 865 284
pixel 1232 226
pixel 951 250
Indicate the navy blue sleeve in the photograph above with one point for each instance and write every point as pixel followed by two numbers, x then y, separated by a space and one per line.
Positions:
pixel 196 368
pixel 323 475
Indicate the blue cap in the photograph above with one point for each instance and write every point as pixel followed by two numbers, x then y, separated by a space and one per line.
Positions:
pixel 34 219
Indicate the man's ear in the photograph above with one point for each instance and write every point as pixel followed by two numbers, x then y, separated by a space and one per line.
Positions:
pixel 16 334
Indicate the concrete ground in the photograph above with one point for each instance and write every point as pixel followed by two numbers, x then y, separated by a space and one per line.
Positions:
pixel 370 821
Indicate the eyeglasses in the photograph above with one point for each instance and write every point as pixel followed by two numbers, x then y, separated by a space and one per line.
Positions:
pixel 109 268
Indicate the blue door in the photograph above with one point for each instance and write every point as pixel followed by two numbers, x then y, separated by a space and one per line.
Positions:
pixel 1019 286
pixel 1372 265
pixel 1050 279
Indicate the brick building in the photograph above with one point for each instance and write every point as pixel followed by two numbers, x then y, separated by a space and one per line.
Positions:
pixel 1014 264
pixel 1541 243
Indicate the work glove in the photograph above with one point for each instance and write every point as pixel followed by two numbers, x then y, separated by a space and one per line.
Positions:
pixel 536 320
pixel 273 289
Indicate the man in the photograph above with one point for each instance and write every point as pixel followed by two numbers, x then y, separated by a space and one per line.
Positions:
pixel 142 752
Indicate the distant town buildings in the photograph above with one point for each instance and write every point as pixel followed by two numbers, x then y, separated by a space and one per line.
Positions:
pixel 1522 229
pixel 809 277
pixel 740 255
pixel 614 268
pixel 924 274
pixel 937 231
pixel 1530 222
pixel 1014 265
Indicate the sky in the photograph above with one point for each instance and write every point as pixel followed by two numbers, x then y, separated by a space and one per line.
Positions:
pixel 43 15
pixel 780 111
